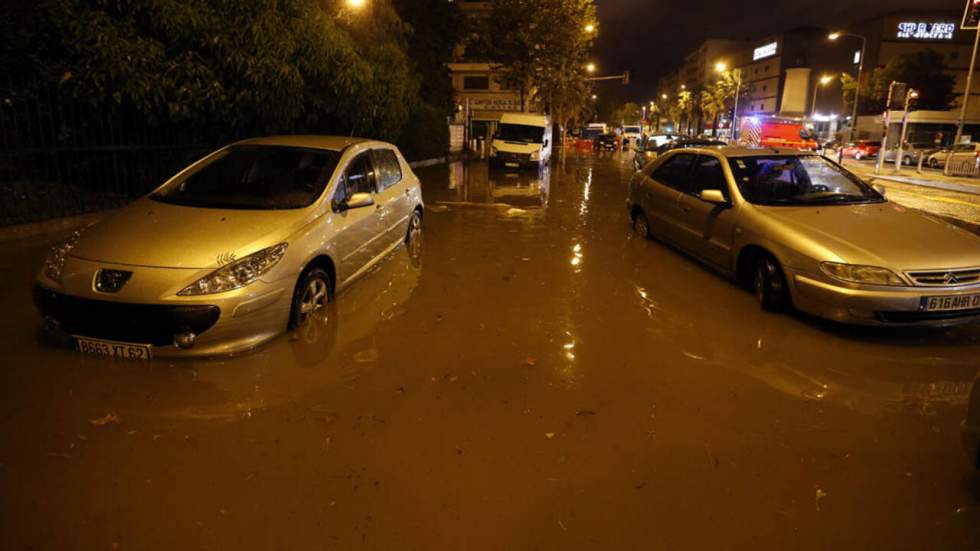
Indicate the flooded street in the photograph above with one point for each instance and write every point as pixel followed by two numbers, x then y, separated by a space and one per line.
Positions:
pixel 537 378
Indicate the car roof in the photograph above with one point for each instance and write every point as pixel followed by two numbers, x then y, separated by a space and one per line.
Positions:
pixel 743 151
pixel 333 143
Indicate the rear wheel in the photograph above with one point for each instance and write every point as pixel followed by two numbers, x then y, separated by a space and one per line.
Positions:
pixel 934 163
pixel 907 161
pixel 311 297
pixel 769 285
pixel 641 226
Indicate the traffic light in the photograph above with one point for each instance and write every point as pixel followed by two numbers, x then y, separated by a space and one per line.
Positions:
pixel 971 17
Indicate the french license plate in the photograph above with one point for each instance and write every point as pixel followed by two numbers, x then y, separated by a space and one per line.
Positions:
pixel 951 303
pixel 512 165
pixel 114 349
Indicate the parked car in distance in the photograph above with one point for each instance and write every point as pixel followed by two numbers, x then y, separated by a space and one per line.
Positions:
pixel 251 240
pixel 960 153
pixel 607 142
pixel 675 143
pixel 864 149
pixel 971 426
pixel 805 233
pixel 523 140
pixel 911 153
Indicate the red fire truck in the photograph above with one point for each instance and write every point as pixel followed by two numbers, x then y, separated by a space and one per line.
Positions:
pixel 765 131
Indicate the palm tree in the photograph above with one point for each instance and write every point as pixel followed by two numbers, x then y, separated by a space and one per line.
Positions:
pixel 712 104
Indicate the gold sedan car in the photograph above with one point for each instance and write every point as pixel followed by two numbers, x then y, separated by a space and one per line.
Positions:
pixel 803 232
pixel 251 240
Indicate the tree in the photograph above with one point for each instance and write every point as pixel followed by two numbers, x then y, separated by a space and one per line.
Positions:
pixel 712 103
pixel 685 106
pixel 628 113
pixel 226 68
pixel 539 48
pixel 921 70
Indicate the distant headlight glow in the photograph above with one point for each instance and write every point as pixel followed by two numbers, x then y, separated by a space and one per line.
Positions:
pixel 237 274
pixel 867 275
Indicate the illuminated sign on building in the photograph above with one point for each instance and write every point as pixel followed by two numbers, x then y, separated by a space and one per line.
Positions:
pixel 765 50
pixel 925 30
pixel 857 56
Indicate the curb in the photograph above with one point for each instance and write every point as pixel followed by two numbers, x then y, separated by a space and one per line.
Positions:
pixel 451 158
pixel 947 186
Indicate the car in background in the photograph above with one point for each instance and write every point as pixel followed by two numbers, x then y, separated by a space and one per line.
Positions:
pixel 253 239
pixel 803 232
pixel 911 153
pixel 864 149
pixel 522 140
pixel 971 426
pixel 676 143
pixel 960 153
pixel 607 142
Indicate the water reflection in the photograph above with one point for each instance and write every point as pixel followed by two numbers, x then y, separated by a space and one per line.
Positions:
pixel 514 193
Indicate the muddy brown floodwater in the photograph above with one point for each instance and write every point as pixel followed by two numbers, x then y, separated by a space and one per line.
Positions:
pixel 537 379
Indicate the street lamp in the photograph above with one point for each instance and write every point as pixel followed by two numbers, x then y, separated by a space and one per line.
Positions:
pixel 356 4
pixel 857 86
pixel 590 28
pixel 824 80
pixel 590 68
pixel 722 67
pixel 663 96
pixel 594 97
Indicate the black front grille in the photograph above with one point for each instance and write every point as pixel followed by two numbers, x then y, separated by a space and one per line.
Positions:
pixel 154 324
pixel 912 317
pixel 508 156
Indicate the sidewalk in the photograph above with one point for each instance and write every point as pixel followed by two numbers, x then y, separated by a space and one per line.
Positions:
pixel 927 178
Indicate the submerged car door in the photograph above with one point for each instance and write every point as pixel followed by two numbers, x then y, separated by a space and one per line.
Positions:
pixel 661 193
pixel 359 235
pixel 394 204
pixel 707 228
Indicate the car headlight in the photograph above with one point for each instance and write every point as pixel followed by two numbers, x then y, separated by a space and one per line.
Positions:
pixel 868 275
pixel 55 262
pixel 237 274
pixel 535 155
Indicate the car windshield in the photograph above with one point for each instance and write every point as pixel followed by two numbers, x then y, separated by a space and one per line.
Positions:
pixel 520 133
pixel 798 180
pixel 631 129
pixel 254 177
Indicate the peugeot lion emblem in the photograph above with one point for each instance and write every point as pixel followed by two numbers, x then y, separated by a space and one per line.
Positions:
pixel 110 281
pixel 951 278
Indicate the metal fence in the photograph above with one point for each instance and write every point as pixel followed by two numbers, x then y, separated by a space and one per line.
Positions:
pixel 963 167
pixel 59 157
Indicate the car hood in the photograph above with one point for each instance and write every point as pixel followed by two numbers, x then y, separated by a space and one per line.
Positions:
pixel 150 233
pixel 881 234
pixel 516 147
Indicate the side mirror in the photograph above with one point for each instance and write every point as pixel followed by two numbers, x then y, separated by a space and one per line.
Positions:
pixel 714 196
pixel 356 201
pixel 879 188
pixel 545 144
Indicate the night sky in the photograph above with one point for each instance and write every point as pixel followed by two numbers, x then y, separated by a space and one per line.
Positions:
pixel 650 37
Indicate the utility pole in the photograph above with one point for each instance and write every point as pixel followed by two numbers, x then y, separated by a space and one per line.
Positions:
pixel 910 96
pixel 971 21
pixel 885 121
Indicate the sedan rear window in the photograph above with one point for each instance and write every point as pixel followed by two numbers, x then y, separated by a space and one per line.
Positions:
pixel 798 180
pixel 255 177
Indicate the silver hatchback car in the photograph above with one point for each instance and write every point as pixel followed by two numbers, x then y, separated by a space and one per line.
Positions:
pixel 803 232
pixel 250 240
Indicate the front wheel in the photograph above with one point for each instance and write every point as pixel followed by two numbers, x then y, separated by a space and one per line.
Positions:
pixel 311 297
pixel 769 285
pixel 933 163
pixel 907 161
pixel 641 226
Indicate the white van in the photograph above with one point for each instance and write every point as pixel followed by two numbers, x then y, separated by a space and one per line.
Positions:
pixel 522 140
pixel 631 134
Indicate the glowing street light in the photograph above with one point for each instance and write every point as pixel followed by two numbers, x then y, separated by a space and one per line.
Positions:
pixel 824 80
pixel 594 97
pixel 590 28
pixel 356 4
pixel 663 96
pixel 683 86
pixel 590 68
pixel 857 89
pixel 722 67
